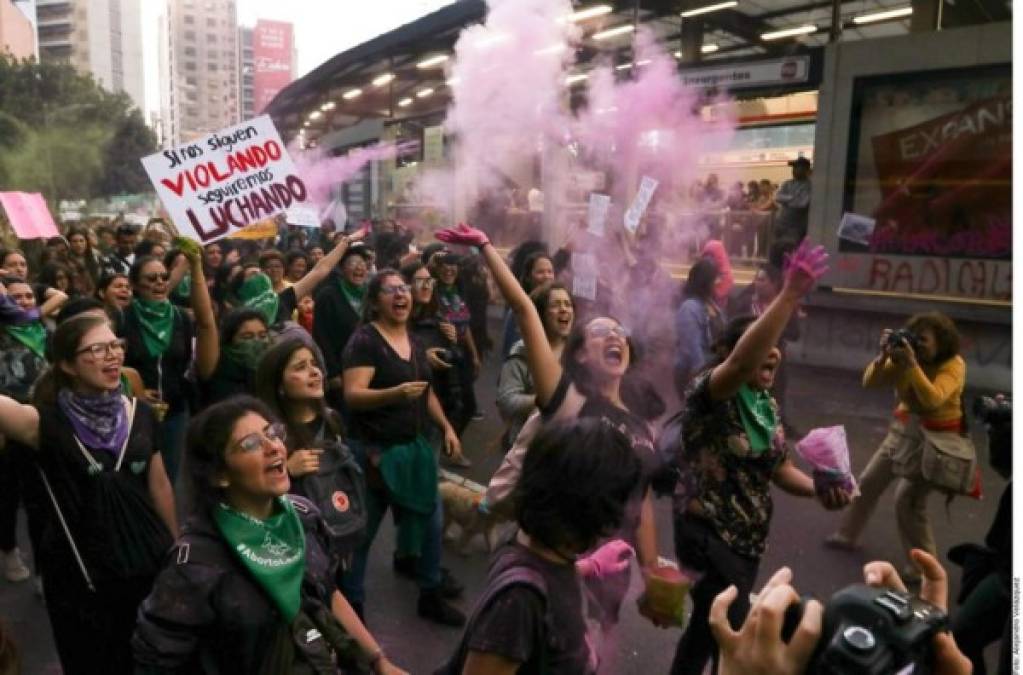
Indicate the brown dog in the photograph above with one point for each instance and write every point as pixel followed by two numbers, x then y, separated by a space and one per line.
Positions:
pixel 461 498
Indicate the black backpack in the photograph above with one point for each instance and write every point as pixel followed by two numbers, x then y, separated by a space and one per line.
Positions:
pixel 338 490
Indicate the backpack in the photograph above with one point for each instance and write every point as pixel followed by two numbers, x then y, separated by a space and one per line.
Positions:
pixel 338 490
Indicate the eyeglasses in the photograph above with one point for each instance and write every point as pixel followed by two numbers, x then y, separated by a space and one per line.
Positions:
pixel 101 350
pixel 395 289
pixel 254 442
pixel 424 283
pixel 157 276
pixel 603 330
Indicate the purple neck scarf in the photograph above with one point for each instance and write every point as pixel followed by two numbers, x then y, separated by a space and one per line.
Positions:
pixel 98 420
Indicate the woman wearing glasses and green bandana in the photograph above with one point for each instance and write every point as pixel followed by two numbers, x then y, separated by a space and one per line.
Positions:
pixel 110 504
pixel 249 587
pixel 159 346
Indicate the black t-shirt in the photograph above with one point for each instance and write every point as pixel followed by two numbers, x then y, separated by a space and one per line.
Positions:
pixel 168 370
pixel 398 422
pixel 545 636
pixel 287 303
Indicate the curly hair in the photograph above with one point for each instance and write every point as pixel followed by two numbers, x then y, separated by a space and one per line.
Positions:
pixel 945 333
pixel 576 478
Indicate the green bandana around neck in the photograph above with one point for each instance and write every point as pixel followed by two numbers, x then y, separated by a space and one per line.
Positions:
pixel 157 320
pixel 354 294
pixel 257 292
pixel 756 412
pixel 272 550
pixel 183 291
pixel 246 354
pixel 32 335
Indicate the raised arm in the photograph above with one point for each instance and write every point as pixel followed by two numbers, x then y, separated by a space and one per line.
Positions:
pixel 207 341
pixel 19 422
pixel 52 303
pixel 543 365
pixel 307 284
pixel 806 266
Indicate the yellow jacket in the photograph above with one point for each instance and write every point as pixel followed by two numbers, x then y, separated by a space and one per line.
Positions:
pixel 934 392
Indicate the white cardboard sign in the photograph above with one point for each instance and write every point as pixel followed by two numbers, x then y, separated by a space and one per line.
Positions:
pixel 584 276
pixel 303 216
pixel 639 204
pixel 597 214
pixel 223 182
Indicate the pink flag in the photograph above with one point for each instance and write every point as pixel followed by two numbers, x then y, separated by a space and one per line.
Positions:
pixel 29 215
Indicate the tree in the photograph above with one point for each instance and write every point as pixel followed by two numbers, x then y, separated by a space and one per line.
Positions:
pixel 70 137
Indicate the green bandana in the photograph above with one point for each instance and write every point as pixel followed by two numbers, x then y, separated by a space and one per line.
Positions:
pixel 183 290
pixel 246 354
pixel 354 294
pixel 756 411
pixel 272 550
pixel 258 293
pixel 32 335
pixel 157 320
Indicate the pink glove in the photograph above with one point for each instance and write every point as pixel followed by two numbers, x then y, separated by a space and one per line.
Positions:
pixel 611 558
pixel 804 266
pixel 464 235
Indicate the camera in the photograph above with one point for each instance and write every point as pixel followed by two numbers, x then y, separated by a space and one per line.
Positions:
pixel 868 631
pixel 446 355
pixel 897 336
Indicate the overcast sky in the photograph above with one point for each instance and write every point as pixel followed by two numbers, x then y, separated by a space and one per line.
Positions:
pixel 322 28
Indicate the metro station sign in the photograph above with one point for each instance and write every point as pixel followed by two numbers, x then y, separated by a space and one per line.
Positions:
pixel 772 72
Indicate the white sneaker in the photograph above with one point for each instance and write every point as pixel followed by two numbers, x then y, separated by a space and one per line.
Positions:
pixel 14 567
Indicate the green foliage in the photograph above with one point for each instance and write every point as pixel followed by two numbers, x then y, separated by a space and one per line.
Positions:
pixel 63 135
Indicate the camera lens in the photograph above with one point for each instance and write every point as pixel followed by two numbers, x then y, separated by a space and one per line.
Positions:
pixel 859 638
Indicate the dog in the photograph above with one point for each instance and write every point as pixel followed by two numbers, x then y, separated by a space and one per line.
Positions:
pixel 461 498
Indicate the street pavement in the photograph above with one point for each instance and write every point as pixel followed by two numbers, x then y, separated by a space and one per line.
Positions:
pixel 817 397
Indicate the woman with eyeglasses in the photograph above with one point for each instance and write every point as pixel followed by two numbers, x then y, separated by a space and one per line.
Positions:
pixel 387 386
pixel 437 337
pixel 249 586
pixel 453 309
pixel 589 380
pixel 159 338
pixel 111 504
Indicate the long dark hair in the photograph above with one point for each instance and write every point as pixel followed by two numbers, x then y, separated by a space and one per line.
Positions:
pixel 701 279
pixel 205 445
pixel 419 311
pixel 369 312
pixel 232 321
pixel 64 348
pixel 526 280
pixel 269 387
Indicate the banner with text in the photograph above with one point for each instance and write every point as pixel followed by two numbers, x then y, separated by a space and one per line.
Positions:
pixel 217 185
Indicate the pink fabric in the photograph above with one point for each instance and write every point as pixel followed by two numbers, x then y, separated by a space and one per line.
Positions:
pixel 715 250
pixel 29 215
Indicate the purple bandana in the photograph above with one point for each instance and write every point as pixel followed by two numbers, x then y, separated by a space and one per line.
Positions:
pixel 98 420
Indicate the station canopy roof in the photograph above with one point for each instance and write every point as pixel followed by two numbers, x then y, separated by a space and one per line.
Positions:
pixel 401 74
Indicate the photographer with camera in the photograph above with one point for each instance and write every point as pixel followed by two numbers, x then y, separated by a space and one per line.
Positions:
pixel 864 629
pixel 926 448
pixel 985 598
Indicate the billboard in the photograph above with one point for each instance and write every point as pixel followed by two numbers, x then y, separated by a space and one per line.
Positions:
pixel 272 51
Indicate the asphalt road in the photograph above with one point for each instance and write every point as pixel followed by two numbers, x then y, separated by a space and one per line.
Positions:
pixel 817 397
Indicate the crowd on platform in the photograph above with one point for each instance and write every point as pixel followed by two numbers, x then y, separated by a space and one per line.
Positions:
pixel 206 440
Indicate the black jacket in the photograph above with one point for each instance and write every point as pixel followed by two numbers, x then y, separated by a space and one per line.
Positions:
pixel 207 616
pixel 334 321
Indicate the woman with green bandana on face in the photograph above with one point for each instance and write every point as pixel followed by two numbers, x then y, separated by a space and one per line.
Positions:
pixel 732 448
pixel 159 340
pixel 244 337
pixel 249 588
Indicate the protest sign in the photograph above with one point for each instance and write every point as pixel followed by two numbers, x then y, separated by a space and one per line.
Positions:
pixel 227 180
pixel 303 216
pixel 584 276
pixel 29 215
pixel 639 204
pixel 597 214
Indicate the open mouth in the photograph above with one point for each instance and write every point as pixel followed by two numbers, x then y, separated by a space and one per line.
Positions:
pixel 276 468
pixel 113 371
pixel 400 304
pixel 614 355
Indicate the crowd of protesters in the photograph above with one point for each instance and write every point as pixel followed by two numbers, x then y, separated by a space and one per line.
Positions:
pixel 206 441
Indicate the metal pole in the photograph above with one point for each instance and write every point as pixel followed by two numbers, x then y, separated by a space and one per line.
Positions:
pixel 836 21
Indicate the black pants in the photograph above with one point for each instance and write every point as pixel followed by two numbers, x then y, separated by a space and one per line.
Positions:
pixel 700 549
pixel 10 498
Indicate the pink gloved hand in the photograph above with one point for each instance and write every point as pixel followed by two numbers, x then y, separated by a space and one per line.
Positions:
pixel 804 266
pixel 463 234
pixel 611 558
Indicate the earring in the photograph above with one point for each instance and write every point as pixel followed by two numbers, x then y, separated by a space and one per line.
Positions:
pixel 223 484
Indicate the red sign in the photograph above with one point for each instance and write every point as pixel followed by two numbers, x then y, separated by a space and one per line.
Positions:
pixel 946 185
pixel 272 50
